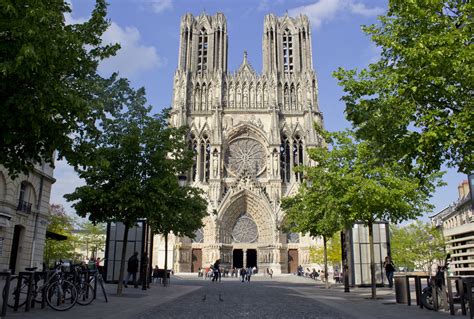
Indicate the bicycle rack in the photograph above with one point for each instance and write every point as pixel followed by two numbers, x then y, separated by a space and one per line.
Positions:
pixel 29 276
pixel 6 292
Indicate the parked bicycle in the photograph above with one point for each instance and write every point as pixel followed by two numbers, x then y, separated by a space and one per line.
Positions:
pixel 60 294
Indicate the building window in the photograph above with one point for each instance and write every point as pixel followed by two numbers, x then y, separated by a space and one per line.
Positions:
pixel 298 156
pixel 205 156
pixel 24 204
pixel 287 52
pixel 285 167
pixel 193 146
pixel 202 51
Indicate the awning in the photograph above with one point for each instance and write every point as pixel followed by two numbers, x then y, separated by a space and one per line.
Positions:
pixel 55 236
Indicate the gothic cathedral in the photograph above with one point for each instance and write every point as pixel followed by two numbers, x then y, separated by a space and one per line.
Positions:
pixel 248 131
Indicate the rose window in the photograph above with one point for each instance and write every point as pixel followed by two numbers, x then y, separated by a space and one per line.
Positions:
pixel 246 155
pixel 245 230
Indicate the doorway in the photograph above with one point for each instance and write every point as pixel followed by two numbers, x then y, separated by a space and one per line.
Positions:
pixel 292 260
pixel 15 246
pixel 251 258
pixel 238 258
pixel 197 260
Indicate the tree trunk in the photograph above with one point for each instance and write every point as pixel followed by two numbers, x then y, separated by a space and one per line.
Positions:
pixel 372 260
pixel 345 261
pixel 166 260
pixel 122 261
pixel 325 241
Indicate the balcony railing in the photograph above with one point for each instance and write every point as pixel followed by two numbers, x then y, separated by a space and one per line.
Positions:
pixel 24 206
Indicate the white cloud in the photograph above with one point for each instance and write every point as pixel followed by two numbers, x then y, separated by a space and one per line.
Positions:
pixel 325 10
pixel 66 182
pixel 133 57
pixel 362 9
pixel 161 5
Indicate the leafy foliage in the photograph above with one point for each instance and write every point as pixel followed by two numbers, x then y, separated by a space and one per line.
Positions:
pixel 334 253
pixel 417 245
pixel 415 104
pixel 92 238
pixel 50 93
pixel 60 223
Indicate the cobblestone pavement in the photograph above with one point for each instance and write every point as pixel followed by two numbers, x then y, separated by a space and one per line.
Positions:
pixel 234 299
pixel 282 297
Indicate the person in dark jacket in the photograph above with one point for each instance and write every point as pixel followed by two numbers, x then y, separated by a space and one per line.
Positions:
pixel 132 269
pixel 217 270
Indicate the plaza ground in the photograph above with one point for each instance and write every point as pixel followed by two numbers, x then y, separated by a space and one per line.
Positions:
pixel 285 296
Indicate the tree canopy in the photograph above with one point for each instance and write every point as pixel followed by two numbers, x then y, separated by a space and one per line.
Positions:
pixel 60 223
pixel 415 105
pixel 51 95
pixel 417 246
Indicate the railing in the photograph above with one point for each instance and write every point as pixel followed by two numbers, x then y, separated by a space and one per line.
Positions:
pixel 24 206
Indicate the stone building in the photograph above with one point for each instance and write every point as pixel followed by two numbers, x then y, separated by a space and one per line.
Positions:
pixel 249 131
pixel 24 213
pixel 457 224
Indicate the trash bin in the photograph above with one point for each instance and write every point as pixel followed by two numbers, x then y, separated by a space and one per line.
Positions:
pixel 401 289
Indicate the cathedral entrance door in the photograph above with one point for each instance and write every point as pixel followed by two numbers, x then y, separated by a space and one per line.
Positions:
pixel 251 257
pixel 238 258
pixel 197 260
pixel 292 260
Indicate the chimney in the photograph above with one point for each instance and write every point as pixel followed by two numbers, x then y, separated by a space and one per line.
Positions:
pixel 463 189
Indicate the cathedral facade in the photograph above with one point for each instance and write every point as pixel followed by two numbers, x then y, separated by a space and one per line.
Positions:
pixel 248 131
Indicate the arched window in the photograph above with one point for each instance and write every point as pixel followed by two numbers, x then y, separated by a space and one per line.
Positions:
pixel 205 154
pixel 286 94
pixel 202 51
pixel 193 146
pixel 287 52
pixel 298 155
pixel 285 167
pixel 26 198
pixel 292 97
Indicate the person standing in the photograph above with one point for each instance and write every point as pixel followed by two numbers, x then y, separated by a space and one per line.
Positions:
pixel 242 274
pixel 132 269
pixel 249 273
pixel 389 267
pixel 216 268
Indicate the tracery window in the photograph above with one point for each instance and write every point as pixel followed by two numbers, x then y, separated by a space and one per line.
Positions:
pixel 246 155
pixel 198 236
pixel 245 230
pixel 194 147
pixel 287 52
pixel 202 51
pixel 292 238
pixel 205 158
pixel 285 168
pixel 298 155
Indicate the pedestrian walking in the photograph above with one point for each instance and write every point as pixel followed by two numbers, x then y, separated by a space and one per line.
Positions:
pixel 242 274
pixel 389 267
pixel 132 269
pixel 249 273
pixel 216 270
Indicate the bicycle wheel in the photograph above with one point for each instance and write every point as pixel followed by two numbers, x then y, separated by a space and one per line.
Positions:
pixel 21 292
pixel 61 295
pixel 85 293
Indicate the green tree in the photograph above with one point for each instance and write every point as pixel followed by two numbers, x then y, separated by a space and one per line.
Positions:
pixel 334 252
pixel 369 190
pixel 417 245
pixel 131 167
pixel 92 238
pixel 174 209
pixel 314 209
pixel 113 173
pixel 415 104
pixel 50 93
pixel 59 223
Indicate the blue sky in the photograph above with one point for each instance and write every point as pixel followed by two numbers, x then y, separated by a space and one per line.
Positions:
pixel 148 31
